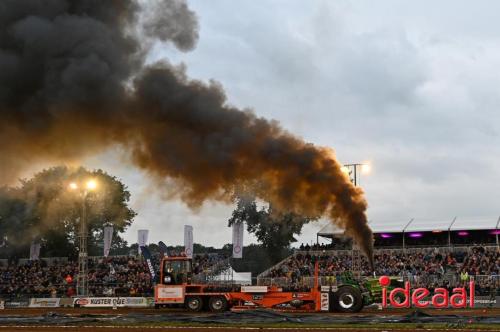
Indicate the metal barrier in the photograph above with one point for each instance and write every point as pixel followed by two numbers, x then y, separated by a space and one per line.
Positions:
pixel 399 251
pixel 426 279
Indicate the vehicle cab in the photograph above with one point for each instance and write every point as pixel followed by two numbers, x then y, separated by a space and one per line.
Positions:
pixel 176 271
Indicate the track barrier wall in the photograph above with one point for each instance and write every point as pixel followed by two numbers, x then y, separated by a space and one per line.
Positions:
pixel 147 302
pixel 111 302
pixel 82 302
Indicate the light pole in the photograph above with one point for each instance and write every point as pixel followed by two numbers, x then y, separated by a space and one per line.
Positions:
pixel 82 285
pixel 354 171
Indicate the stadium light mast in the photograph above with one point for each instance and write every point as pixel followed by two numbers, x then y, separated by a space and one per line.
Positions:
pixel 82 285
pixel 449 231
pixel 496 230
pixel 404 230
pixel 354 171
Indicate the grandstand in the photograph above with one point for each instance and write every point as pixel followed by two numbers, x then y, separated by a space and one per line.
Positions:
pixel 417 232
pixel 108 276
pixel 427 253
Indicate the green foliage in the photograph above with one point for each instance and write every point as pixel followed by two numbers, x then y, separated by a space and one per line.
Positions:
pixel 274 229
pixel 43 208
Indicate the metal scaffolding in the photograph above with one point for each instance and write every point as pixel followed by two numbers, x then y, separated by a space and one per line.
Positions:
pixel 82 286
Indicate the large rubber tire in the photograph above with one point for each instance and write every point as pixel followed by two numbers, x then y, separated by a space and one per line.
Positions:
pixel 217 304
pixel 348 299
pixel 194 303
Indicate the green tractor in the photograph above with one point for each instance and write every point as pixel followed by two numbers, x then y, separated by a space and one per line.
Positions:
pixel 370 288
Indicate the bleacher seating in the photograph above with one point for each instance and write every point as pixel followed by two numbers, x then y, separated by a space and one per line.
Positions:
pixel 111 276
pixel 429 267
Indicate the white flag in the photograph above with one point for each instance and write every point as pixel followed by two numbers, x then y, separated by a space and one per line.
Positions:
pixel 142 238
pixel 188 240
pixel 108 237
pixel 34 251
pixel 238 240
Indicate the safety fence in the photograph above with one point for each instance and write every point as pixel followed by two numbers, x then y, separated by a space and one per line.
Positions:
pixel 396 251
pixel 480 301
pixel 390 252
pixel 484 284
pixel 35 290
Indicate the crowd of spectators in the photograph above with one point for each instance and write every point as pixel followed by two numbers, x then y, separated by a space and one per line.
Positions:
pixel 208 263
pixel 423 267
pixel 129 275
pixel 111 276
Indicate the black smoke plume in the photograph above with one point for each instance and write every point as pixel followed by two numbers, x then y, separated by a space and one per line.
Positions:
pixel 73 82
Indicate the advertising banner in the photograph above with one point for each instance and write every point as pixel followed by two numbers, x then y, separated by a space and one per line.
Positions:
pixel 487 302
pixel 170 294
pixel 108 238
pixel 109 302
pixel 479 302
pixel 238 229
pixel 18 303
pixel 47 302
pixel 188 240
pixel 149 261
pixel 34 251
pixel 163 249
pixel 142 238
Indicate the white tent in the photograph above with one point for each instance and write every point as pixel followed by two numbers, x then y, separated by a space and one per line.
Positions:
pixel 239 278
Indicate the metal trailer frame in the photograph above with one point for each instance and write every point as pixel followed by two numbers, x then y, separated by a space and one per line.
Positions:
pixel 196 297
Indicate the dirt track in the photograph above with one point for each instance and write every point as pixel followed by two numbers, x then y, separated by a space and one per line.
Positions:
pixel 205 329
pixel 494 312
pixel 103 326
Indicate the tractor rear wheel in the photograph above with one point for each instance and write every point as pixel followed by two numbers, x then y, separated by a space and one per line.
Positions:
pixel 217 304
pixel 194 303
pixel 348 299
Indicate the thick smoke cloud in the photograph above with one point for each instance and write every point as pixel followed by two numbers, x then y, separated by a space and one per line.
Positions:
pixel 73 82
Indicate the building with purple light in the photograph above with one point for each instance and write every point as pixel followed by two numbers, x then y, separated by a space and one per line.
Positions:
pixel 416 232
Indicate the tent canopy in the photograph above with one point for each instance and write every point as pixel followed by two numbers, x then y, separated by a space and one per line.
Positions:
pixel 239 278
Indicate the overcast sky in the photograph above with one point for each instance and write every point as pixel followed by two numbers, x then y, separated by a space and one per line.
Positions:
pixel 410 86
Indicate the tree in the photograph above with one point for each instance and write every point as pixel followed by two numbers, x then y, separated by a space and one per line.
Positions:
pixel 275 230
pixel 44 209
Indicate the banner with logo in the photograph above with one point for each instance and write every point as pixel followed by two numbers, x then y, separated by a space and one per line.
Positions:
pixel 108 302
pixel 188 240
pixel 17 303
pixel 479 302
pixel 238 229
pixel 108 238
pixel 487 301
pixel 149 261
pixel 47 302
pixel 163 249
pixel 34 251
pixel 142 238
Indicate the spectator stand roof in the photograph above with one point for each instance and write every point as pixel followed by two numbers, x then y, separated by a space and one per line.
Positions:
pixel 419 225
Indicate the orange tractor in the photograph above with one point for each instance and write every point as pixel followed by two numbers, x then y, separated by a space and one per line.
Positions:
pixel 176 288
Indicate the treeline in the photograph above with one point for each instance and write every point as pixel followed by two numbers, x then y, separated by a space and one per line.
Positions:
pixel 47 209
pixel 256 258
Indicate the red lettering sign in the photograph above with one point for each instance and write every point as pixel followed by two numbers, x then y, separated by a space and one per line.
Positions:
pixel 405 297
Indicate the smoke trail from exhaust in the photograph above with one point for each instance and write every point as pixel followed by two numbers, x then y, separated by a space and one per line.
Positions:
pixel 73 82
